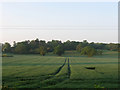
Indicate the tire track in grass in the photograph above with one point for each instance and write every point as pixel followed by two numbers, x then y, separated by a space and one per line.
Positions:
pixel 57 77
pixel 69 70
pixel 51 76
pixel 44 77
pixel 52 79
pixel 59 69
pixel 56 72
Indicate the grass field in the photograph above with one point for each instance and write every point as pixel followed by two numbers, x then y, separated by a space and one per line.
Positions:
pixel 67 71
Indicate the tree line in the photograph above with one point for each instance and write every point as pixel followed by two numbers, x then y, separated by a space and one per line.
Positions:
pixel 57 47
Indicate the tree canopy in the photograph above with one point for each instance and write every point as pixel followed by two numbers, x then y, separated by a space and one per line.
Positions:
pixel 6 48
pixel 59 50
pixel 42 50
pixel 89 51
pixel 42 47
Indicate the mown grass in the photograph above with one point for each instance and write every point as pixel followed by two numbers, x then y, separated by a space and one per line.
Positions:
pixel 35 71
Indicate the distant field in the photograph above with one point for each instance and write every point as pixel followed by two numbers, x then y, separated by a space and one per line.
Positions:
pixel 67 71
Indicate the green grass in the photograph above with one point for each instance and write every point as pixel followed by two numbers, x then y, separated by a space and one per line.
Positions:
pixel 35 71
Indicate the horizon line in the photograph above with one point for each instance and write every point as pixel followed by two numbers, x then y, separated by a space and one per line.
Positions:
pixel 59 40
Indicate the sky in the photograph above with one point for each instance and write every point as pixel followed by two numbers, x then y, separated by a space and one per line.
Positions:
pixel 92 21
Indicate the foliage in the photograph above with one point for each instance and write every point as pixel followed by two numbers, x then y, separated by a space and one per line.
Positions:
pixel 52 44
pixel 33 46
pixel 89 51
pixel 79 47
pixel 118 47
pixel 21 48
pixel 112 46
pixel 85 43
pixel 59 50
pixel 98 86
pixel 42 50
pixel 99 52
pixel 70 45
pixel 6 47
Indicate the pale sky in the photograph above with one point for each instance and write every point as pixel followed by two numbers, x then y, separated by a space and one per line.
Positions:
pixel 94 21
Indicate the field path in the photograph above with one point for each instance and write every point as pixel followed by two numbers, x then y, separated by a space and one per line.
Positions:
pixel 60 76
pixel 69 70
pixel 59 69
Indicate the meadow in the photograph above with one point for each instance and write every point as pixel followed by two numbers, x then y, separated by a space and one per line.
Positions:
pixel 66 71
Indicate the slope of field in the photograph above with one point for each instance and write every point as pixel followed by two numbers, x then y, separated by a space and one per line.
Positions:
pixel 67 71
